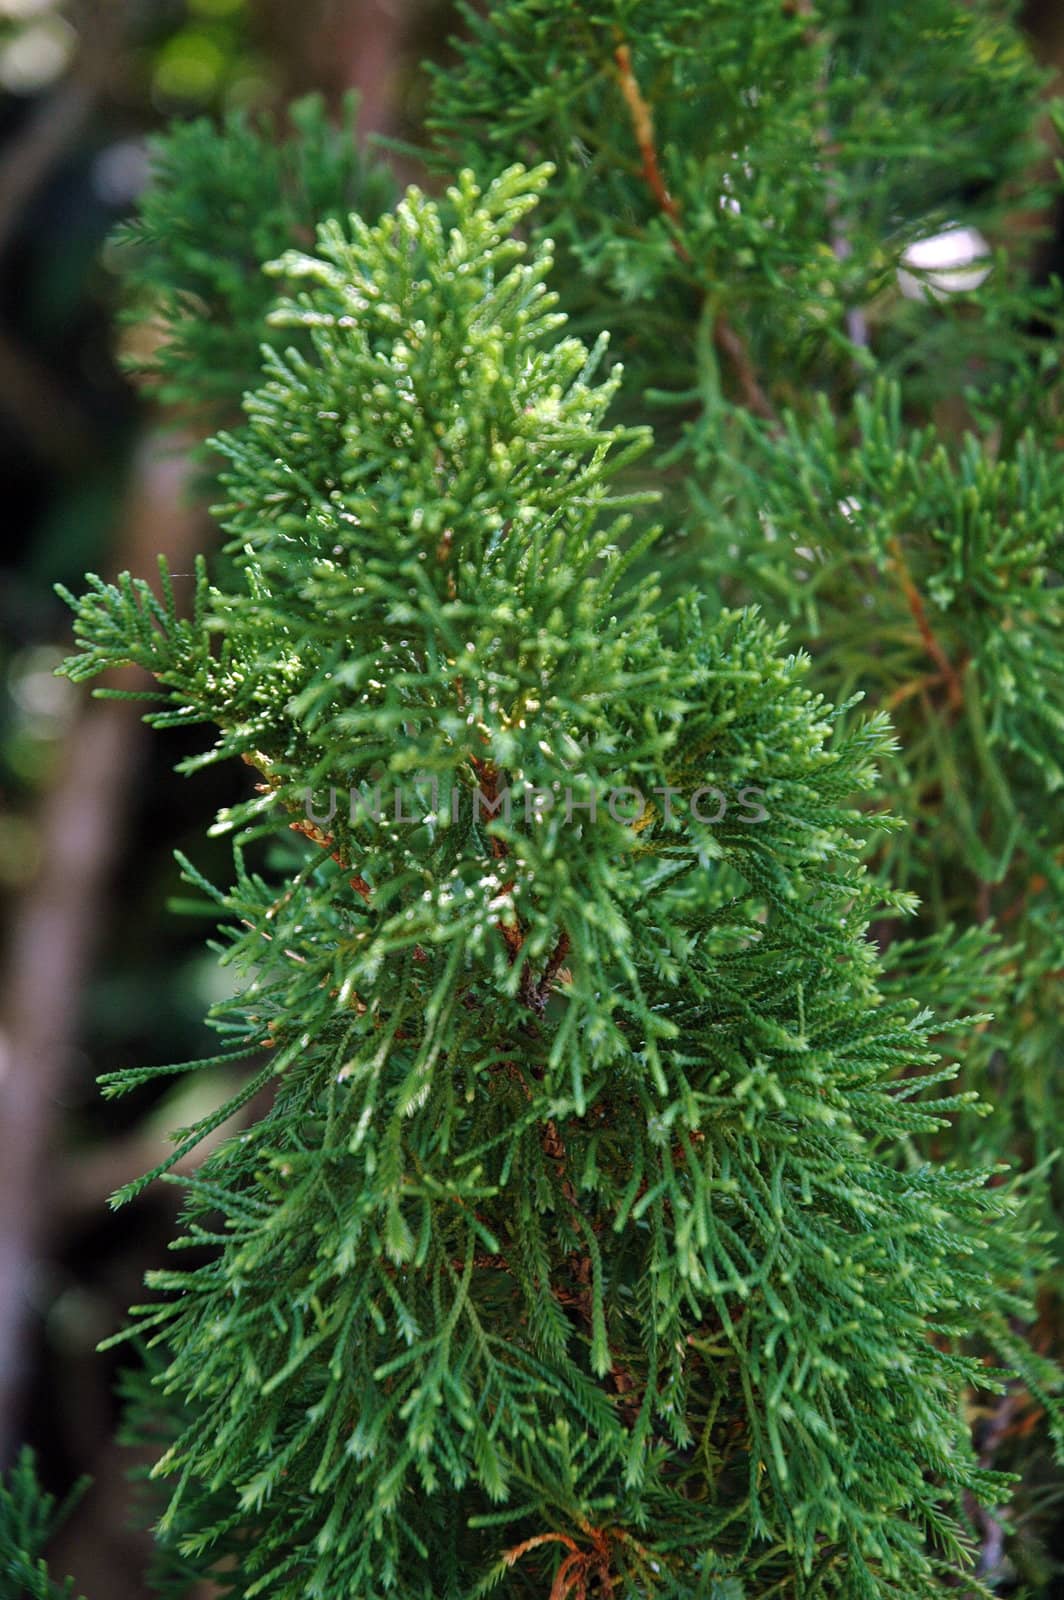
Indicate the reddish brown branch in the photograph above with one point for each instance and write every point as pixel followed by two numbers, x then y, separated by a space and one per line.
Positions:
pixel 643 128
pixel 311 831
pixel 727 340
pixel 580 1565
pixel 734 347
pixel 915 602
pixel 554 1150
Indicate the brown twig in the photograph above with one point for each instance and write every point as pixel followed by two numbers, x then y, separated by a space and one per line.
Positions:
pixel 727 339
pixel 1035 885
pixel 643 128
pixel 311 831
pixel 905 691
pixel 734 347
pixel 915 602
pixel 571 1578
pixel 533 994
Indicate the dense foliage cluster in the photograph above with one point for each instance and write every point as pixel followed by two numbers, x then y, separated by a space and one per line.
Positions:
pixel 616 1217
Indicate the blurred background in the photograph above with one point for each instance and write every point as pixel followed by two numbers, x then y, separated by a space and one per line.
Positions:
pixel 96 975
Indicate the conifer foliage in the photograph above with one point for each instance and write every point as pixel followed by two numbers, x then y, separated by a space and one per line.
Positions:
pixel 593 1236
pixel 29 1516
pixel 738 187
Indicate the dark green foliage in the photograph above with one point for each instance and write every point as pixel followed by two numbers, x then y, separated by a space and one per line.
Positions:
pixel 611 1222
pixel 883 512
pixel 813 438
pixel 225 202
pixel 737 187
pixel 572 1242
pixel 796 151
pixel 28 1519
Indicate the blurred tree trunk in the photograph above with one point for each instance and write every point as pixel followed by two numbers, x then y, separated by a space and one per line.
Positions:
pixel 54 930
pixel 335 45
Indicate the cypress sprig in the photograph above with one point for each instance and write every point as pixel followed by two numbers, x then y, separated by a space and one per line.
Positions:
pixel 865 446
pixel 29 1518
pixel 225 201
pixel 572 1248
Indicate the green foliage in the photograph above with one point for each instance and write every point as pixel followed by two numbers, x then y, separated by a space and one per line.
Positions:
pixel 614 1217
pixel 28 1519
pixel 571 1242
pixel 796 151
pixel 884 512
pixel 874 465
pixel 226 201
pixel 849 458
